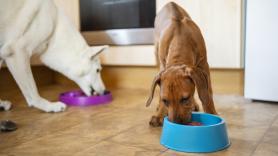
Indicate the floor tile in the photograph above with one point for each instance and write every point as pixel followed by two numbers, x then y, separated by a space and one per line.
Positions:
pixel 266 149
pixel 271 136
pixel 121 127
pixel 142 136
pixel 113 149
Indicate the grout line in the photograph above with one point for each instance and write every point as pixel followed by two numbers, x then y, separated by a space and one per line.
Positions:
pixel 147 149
pixel 261 140
pixel 167 149
pixel 40 136
pixel 107 138
pixel 123 131
pixel 137 125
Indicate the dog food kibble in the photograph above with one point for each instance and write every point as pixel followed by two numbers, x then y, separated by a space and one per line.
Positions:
pixel 194 123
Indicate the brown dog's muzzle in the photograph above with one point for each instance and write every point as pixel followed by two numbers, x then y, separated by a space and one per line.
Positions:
pixel 180 116
pixel 182 120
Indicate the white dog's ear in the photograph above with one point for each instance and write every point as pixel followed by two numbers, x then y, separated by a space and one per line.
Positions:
pixel 96 50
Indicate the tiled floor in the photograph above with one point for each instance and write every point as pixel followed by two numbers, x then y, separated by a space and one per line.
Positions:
pixel 121 127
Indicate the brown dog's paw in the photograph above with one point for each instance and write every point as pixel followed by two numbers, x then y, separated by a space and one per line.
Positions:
pixel 155 121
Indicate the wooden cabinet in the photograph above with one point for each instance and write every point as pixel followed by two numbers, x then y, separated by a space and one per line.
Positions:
pixel 219 20
pixel 221 24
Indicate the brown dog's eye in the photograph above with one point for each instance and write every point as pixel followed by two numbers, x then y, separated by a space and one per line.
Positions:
pixel 166 102
pixel 98 70
pixel 184 100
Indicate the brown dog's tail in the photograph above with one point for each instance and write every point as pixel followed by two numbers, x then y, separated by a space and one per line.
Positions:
pixel 179 13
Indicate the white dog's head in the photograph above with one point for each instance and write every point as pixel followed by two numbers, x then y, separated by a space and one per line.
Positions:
pixel 88 75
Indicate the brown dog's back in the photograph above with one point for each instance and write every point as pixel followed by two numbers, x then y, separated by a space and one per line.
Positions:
pixel 179 38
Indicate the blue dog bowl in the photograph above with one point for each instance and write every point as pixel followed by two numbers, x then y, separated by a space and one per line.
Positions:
pixel 211 136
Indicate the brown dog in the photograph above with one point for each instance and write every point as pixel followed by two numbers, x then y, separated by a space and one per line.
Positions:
pixel 181 51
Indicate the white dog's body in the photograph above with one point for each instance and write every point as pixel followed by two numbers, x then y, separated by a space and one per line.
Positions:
pixel 37 27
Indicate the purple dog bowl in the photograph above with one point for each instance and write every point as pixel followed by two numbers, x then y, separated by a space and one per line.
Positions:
pixel 78 98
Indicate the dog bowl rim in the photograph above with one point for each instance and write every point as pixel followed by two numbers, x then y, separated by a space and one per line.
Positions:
pixel 221 121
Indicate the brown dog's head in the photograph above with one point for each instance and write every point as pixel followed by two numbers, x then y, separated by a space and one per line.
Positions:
pixel 177 87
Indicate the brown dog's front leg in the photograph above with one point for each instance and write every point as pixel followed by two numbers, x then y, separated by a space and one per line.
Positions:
pixel 157 119
pixel 210 109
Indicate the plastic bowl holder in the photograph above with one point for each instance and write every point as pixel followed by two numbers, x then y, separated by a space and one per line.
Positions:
pixel 78 98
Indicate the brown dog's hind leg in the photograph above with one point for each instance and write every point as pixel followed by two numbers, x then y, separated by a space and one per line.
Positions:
pixel 157 119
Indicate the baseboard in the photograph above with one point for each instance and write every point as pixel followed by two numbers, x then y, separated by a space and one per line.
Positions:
pixel 224 81
pixel 227 81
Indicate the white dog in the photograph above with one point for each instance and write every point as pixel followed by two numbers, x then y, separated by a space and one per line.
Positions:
pixel 38 27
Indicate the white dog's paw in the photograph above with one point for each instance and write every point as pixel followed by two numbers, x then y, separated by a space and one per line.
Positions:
pixel 6 105
pixel 47 106
pixel 56 107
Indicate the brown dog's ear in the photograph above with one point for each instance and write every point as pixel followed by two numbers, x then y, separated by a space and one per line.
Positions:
pixel 203 85
pixel 156 80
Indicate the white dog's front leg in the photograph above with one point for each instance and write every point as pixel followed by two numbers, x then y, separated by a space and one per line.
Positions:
pixel 19 66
